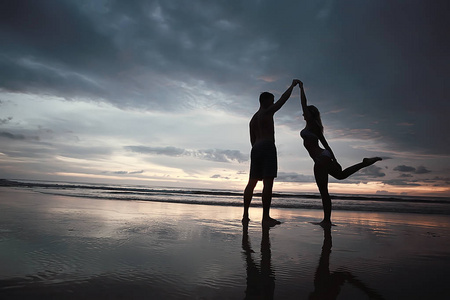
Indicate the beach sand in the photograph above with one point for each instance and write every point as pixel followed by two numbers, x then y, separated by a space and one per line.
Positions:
pixel 78 248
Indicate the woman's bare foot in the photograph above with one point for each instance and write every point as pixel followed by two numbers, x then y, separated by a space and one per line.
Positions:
pixel 269 222
pixel 371 160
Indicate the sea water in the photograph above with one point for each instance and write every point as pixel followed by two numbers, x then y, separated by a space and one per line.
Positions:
pixel 349 202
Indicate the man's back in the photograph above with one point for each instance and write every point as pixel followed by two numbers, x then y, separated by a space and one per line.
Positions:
pixel 262 126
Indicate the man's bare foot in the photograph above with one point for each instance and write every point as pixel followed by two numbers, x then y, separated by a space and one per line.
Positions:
pixel 326 223
pixel 269 222
pixel 371 160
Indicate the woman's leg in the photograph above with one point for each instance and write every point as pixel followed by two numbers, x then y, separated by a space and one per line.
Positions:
pixel 321 176
pixel 337 172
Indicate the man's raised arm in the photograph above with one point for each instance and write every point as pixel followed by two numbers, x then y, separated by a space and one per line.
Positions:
pixel 277 105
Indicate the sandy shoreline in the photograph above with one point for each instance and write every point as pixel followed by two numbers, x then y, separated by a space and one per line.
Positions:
pixel 57 246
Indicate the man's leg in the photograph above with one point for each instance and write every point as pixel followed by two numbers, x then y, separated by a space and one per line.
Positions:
pixel 248 195
pixel 267 200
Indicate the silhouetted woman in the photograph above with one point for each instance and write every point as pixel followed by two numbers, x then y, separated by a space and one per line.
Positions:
pixel 324 160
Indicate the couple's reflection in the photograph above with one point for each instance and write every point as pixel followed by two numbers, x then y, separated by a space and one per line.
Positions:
pixel 260 280
pixel 327 285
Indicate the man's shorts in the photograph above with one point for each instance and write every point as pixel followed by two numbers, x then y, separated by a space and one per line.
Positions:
pixel 263 160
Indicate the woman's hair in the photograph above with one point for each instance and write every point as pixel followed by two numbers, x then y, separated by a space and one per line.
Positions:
pixel 317 121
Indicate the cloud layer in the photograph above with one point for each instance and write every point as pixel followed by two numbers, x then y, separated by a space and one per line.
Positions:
pixel 217 155
pixel 377 71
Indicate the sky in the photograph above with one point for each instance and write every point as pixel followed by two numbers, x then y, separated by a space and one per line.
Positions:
pixel 160 93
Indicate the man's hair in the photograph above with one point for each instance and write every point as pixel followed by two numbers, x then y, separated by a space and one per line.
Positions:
pixel 266 97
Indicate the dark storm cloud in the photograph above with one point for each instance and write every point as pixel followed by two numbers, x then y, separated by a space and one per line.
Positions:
pixel 136 172
pixel 404 168
pixel 18 136
pixel 217 155
pixel 5 120
pixel 12 136
pixel 445 180
pixel 409 169
pixel 382 64
pixel 128 53
pixel 54 31
pixel 294 177
pixel 52 47
pixel 220 155
pixel 406 176
pixel 372 172
pixel 400 182
pixel 422 170
pixel 218 176
pixel 120 172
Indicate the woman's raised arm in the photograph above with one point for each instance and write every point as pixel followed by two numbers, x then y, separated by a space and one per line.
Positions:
pixel 306 112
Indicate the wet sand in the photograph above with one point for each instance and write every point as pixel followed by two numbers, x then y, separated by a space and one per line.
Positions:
pixel 79 248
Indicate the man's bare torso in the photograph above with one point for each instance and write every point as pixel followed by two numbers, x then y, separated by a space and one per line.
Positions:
pixel 262 127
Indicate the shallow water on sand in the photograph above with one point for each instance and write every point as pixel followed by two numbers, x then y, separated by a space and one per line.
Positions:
pixel 62 247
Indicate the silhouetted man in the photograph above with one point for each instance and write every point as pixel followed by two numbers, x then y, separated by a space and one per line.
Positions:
pixel 263 158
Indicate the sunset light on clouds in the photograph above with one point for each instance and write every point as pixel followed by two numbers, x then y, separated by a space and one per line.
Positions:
pixel 160 93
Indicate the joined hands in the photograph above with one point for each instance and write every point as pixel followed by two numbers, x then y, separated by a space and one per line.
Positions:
pixel 297 81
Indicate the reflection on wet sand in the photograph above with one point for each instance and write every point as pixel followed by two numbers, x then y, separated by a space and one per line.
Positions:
pixel 260 280
pixel 327 285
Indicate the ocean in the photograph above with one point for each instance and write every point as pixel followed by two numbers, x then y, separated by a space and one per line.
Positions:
pixel 366 203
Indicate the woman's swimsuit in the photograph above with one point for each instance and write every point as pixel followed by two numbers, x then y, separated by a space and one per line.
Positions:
pixel 311 140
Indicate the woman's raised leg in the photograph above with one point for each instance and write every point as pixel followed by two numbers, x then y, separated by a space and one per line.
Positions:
pixel 336 171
